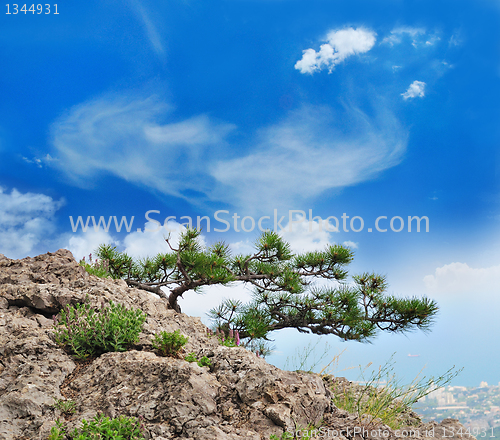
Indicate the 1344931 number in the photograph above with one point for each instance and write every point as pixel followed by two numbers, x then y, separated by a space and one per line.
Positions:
pixel 479 432
pixel 14 8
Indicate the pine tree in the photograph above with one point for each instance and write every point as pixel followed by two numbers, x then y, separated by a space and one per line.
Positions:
pixel 285 295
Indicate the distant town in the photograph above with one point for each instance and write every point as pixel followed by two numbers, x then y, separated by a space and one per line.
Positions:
pixel 478 409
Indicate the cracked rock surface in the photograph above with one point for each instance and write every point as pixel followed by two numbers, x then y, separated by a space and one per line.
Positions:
pixel 240 396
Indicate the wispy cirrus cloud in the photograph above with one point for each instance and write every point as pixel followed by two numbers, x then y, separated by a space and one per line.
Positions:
pixel 122 136
pixel 309 153
pixel 306 154
pixel 149 27
pixel 418 37
pixel 398 34
pixel 340 45
pixel 415 90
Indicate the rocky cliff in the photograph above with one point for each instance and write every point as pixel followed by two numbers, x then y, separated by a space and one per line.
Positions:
pixel 240 396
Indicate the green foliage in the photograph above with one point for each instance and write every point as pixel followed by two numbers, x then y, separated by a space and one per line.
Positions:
pixel 169 344
pixel 87 332
pixel 67 407
pixel 119 264
pixel 203 362
pixel 228 338
pixel 285 295
pixel 120 428
pixel 229 342
pixel 97 268
pixel 126 428
pixel 191 357
pixel 285 436
pixel 300 433
pixel 391 402
pixel 57 432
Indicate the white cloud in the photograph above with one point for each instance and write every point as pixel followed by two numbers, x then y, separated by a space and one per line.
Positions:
pixel 35 160
pixel 152 239
pixel 26 221
pixel 460 278
pixel 397 35
pixel 432 40
pixel 350 244
pixel 147 241
pixel 416 90
pixel 242 248
pixel 39 162
pixel 308 153
pixel 307 236
pixel 121 136
pixel 340 45
pixel 198 304
pixel 456 39
pixel 86 243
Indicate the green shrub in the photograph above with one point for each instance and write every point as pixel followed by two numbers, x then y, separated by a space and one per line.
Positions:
pixel 285 436
pixel 309 432
pixel 65 406
pixel 87 332
pixel 98 268
pixel 120 428
pixel 204 362
pixel 57 432
pixel 169 344
pixel 191 357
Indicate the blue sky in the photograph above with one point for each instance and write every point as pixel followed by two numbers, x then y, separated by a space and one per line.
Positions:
pixel 367 109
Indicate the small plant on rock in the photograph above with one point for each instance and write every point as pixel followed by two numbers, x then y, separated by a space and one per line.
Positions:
pixel 191 357
pixel 99 268
pixel 87 332
pixel 57 432
pixel 231 339
pixel 285 436
pixel 67 407
pixel 120 428
pixel 169 344
pixel 203 362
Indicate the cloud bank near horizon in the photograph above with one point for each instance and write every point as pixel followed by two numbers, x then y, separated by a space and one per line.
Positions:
pixel 26 221
pixel 460 279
